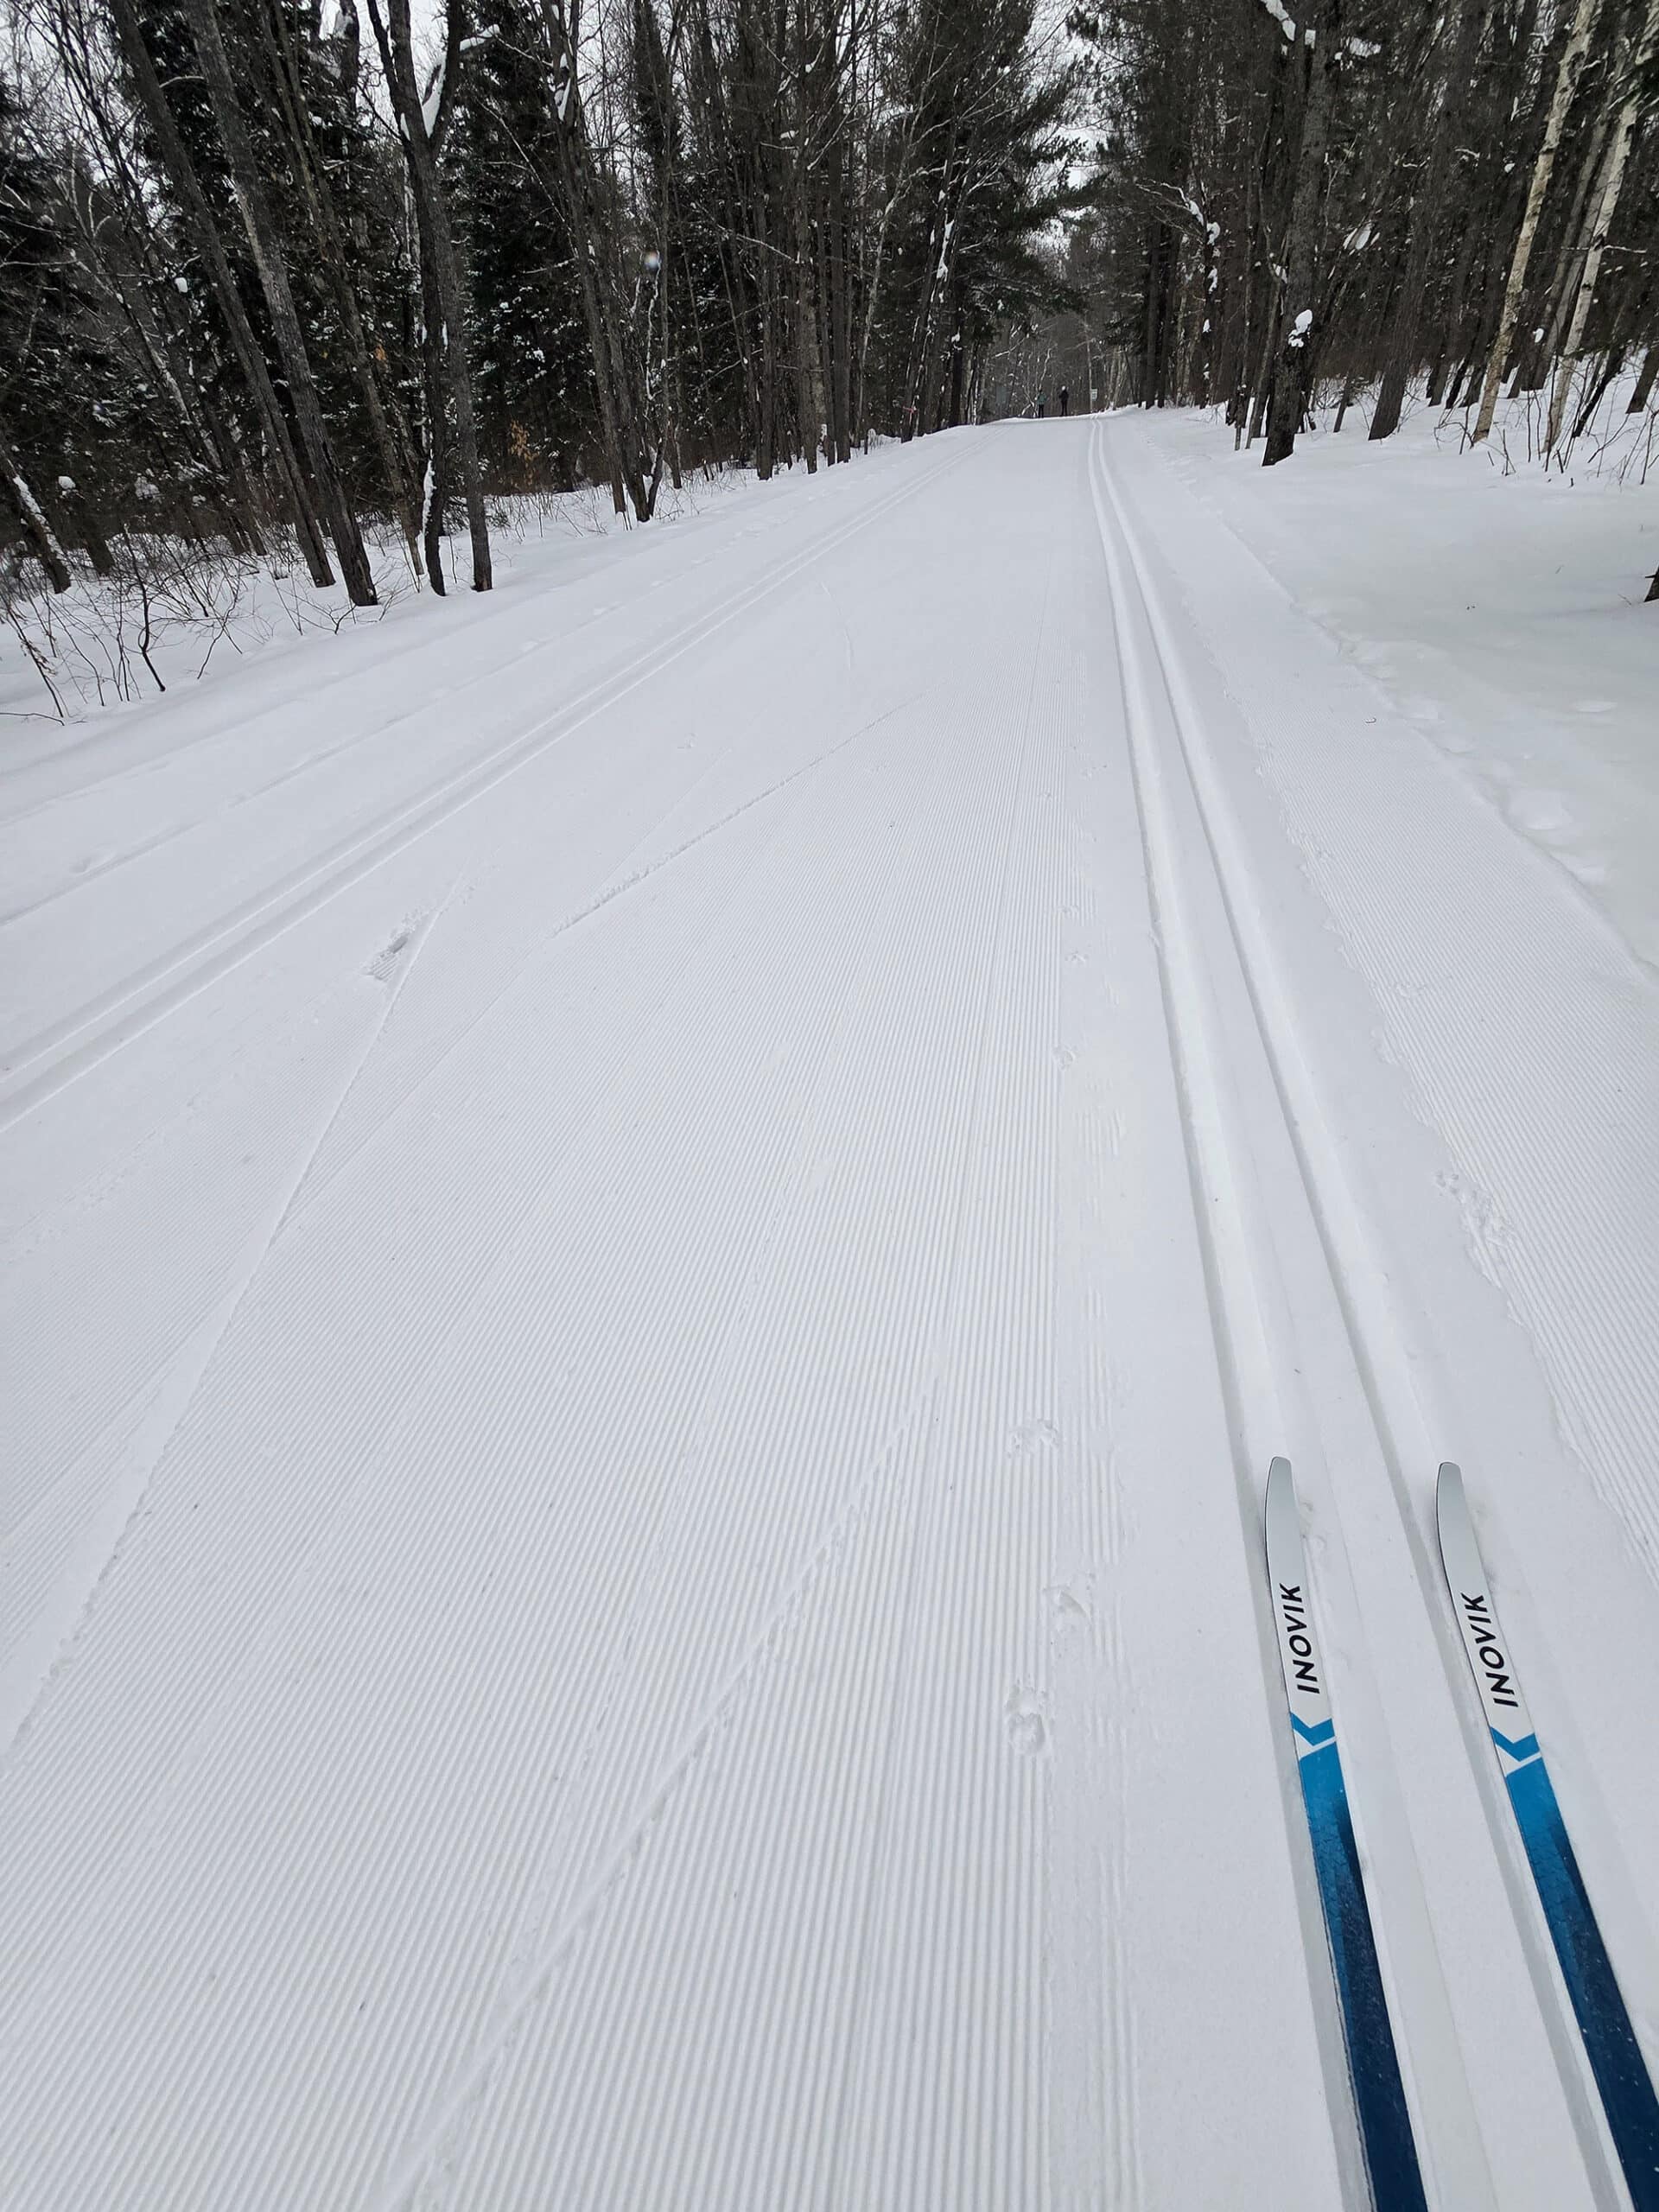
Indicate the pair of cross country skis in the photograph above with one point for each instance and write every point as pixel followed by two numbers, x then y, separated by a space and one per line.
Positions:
pixel 1615 2057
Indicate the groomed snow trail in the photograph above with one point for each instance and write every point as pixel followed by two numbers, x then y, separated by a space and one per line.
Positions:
pixel 653 1253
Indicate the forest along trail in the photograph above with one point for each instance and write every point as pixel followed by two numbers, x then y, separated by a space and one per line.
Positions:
pixel 648 1314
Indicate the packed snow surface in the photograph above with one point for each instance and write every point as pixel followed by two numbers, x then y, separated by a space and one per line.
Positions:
pixel 657 1231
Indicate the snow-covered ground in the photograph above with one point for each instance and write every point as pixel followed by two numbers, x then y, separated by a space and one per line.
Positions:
pixel 202 612
pixel 656 1232
pixel 1499 604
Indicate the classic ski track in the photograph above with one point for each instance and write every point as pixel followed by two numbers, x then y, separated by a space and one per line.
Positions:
pixel 41 1066
pixel 936 1611
pixel 935 2108
pixel 844 1710
pixel 465 1295
pixel 917 1420
pixel 147 1423
pixel 502 615
pixel 1400 1412
pixel 817 2155
pixel 1190 1048
pixel 40 1232
pixel 756 1912
pixel 624 880
pixel 500 611
pixel 90 874
pixel 1575 1266
pixel 624 887
pixel 545 1956
pixel 1400 1432
pixel 1598 1260
pixel 877 861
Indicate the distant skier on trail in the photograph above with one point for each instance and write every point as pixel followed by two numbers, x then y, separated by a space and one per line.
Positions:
pixel 1042 403
pixel 1065 400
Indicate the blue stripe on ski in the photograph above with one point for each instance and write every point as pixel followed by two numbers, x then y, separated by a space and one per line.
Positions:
pixel 1373 2062
pixel 1614 2055
pixel 1322 1733
pixel 1525 1749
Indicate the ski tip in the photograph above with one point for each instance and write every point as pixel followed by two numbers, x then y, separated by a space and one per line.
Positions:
pixel 1451 1521
pixel 1281 1511
pixel 1279 1505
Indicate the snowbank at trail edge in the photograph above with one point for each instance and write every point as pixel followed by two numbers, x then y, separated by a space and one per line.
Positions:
pixel 1501 606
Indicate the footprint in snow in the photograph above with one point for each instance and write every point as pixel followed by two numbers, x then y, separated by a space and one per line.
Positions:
pixel 384 966
pixel 1541 813
pixel 1025 1720
pixel 1068 1609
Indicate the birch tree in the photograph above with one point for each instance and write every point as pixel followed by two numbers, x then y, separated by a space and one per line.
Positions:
pixel 39 532
pixel 1572 60
pixel 1629 83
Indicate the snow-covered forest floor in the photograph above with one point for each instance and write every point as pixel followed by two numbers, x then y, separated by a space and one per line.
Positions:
pixel 173 612
pixel 1498 604
pixel 656 1230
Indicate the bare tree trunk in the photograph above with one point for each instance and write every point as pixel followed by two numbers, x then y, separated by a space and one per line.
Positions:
pixel 1584 22
pixel 767 451
pixel 1263 384
pixel 39 531
pixel 806 411
pixel 1239 319
pixel 861 404
pixel 1612 180
pixel 266 246
pixel 1446 356
pixel 1297 337
pixel 619 416
pixel 1596 389
pixel 238 509
pixel 1644 382
pixel 85 523
pixel 811 354
pixel 386 423
pixel 832 269
pixel 126 256
pixel 1425 222
pixel 1532 359
pixel 434 490
pixel 181 173
pixel 437 247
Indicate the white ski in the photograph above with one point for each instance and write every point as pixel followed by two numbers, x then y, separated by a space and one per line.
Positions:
pixel 1373 2062
pixel 1621 2075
